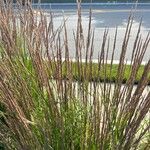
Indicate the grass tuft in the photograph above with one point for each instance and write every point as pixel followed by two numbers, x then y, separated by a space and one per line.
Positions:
pixel 48 101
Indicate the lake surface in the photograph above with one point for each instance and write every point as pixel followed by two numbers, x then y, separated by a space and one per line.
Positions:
pixel 104 15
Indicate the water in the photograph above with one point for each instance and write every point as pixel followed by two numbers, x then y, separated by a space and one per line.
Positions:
pixel 118 6
pixel 104 15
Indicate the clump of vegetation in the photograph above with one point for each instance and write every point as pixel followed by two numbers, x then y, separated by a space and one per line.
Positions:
pixel 43 107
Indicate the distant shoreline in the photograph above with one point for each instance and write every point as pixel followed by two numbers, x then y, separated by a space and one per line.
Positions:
pixel 85 3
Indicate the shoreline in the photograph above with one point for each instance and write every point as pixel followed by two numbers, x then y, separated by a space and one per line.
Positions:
pixel 95 3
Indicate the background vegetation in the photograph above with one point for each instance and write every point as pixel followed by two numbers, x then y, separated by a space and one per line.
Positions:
pixel 98 1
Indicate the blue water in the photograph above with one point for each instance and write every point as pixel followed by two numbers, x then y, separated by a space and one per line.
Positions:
pixel 110 18
pixel 115 6
pixel 104 15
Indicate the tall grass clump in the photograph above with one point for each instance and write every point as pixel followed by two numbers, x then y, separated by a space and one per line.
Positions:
pixel 48 101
